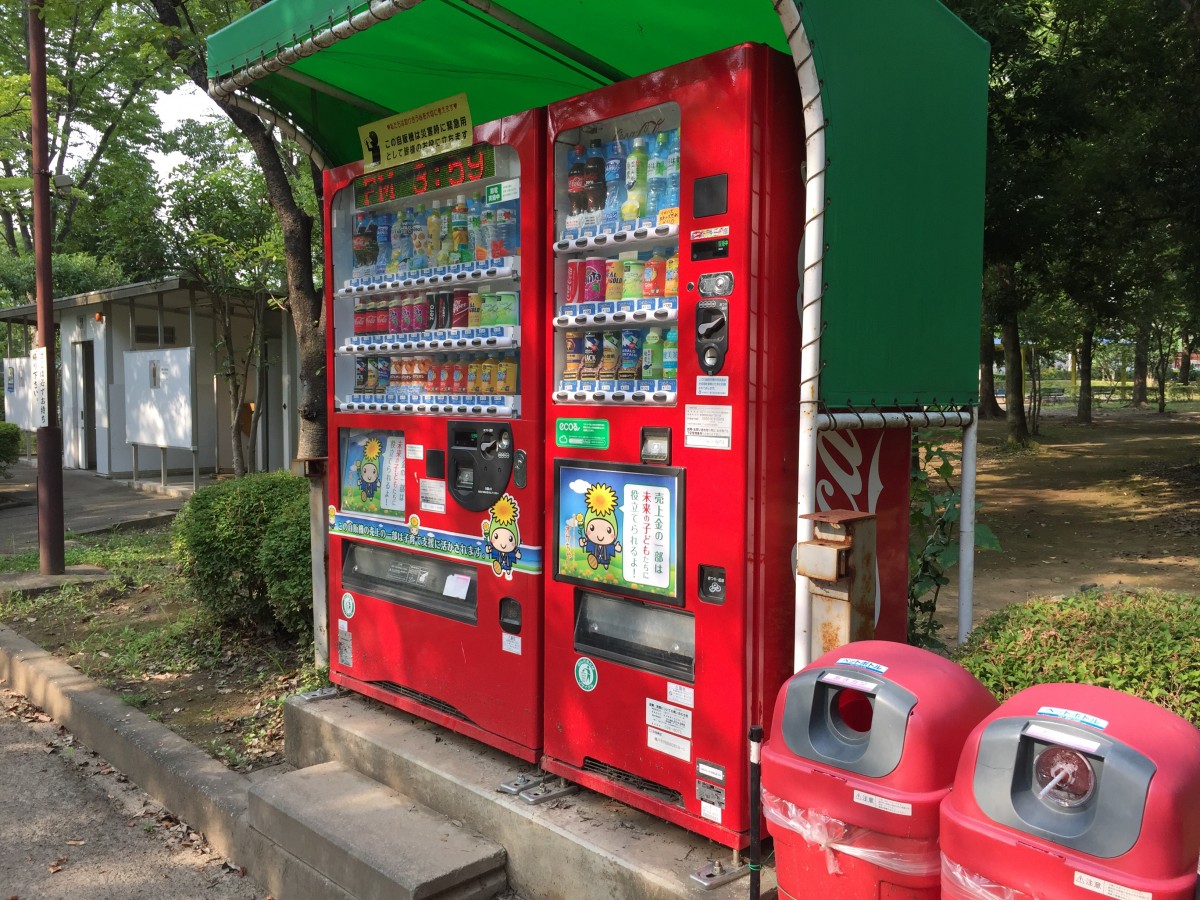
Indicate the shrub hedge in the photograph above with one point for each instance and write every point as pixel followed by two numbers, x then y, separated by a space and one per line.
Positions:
pixel 10 447
pixel 224 532
pixel 1145 643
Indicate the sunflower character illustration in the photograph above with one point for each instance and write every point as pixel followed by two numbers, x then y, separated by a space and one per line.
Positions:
pixel 600 526
pixel 368 470
pixel 503 536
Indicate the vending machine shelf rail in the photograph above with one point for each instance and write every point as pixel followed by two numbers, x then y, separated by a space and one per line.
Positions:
pixel 617 320
pixel 494 337
pixel 494 270
pixel 631 238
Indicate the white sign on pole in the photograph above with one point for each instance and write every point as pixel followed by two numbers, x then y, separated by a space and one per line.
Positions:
pixel 39 380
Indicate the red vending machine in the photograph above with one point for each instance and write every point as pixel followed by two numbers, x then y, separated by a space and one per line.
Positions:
pixel 436 336
pixel 673 389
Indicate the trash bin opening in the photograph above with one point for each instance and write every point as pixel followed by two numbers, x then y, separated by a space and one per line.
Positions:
pixel 853 711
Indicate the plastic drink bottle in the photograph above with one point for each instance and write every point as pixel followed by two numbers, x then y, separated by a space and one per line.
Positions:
pixel 504 243
pixel 614 187
pixel 593 177
pixel 433 226
pixel 656 176
pixel 671 199
pixel 383 240
pixel 576 193
pixel 475 227
pixel 636 165
pixel 670 353
pixel 652 353
pixel 460 232
pixel 420 240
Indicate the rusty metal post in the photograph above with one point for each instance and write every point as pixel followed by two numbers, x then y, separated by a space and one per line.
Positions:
pixel 839 562
pixel 49 435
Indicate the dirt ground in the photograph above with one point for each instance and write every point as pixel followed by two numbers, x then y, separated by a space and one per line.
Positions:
pixel 1114 503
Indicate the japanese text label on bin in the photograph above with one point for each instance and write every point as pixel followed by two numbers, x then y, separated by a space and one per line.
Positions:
pixel 1068 786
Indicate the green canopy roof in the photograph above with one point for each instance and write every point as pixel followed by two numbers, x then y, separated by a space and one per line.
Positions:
pixel 438 48
pixel 904 88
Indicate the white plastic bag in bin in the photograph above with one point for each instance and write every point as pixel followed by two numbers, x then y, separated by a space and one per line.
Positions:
pixel 959 883
pixel 906 856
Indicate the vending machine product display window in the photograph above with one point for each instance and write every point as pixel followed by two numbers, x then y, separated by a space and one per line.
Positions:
pixel 616 272
pixel 435 271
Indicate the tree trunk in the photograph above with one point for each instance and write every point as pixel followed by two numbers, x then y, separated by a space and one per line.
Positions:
pixel 988 407
pixel 1014 387
pixel 1083 412
pixel 1185 364
pixel 1141 365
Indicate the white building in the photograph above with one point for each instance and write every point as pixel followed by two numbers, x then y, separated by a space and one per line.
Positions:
pixel 139 389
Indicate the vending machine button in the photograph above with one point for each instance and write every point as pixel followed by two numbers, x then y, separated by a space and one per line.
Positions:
pixel 712 584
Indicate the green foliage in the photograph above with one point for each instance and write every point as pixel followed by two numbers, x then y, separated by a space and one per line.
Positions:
pixel 219 535
pixel 284 560
pixel 934 515
pixel 10 447
pixel 73 273
pixel 1144 643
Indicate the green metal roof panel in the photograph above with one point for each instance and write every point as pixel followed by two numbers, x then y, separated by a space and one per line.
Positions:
pixel 905 92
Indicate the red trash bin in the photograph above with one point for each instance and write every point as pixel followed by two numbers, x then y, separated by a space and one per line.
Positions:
pixel 863 748
pixel 1074 791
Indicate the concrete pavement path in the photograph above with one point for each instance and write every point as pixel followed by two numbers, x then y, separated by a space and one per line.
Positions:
pixel 90 503
pixel 71 827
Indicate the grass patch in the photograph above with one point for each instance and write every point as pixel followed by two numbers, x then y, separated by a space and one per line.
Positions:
pixel 1145 643
pixel 140 632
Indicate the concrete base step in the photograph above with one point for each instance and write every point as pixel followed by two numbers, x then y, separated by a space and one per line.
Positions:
pixel 372 841
pixel 581 846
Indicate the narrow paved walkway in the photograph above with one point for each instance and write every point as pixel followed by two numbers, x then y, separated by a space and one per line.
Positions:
pixel 71 827
pixel 90 503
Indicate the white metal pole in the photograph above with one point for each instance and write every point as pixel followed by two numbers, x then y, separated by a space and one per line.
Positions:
pixel 966 532
pixel 810 294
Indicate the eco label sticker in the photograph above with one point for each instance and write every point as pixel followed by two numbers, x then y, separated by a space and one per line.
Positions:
pixel 590 434
pixel 348 605
pixel 586 675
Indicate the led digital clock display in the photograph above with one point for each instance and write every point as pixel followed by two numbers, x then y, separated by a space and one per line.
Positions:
pixel 448 170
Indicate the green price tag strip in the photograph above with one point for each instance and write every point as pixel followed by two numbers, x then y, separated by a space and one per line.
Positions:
pixel 589 434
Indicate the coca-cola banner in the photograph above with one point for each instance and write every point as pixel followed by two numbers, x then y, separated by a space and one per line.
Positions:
pixel 868 471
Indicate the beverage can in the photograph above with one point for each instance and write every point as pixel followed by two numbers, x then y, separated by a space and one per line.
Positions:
pixel 635 271
pixel 631 354
pixel 610 354
pixel 445 309
pixel 431 310
pixel 593 279
pixel 461 308
pixel 474 309
pixel 654 276
pixel 420 375
pixel 589 364
pixel 671 275
pixel 360 374
pixel 473 375
pixel 575 275
pixel 614 279
pixel 506 308
pixel 574 354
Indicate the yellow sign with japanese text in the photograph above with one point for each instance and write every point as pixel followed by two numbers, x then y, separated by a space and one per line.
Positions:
pixel 419 133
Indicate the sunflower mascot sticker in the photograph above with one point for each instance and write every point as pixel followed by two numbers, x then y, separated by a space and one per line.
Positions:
pixel 503 536
pixel 600 525
pixel 368 470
